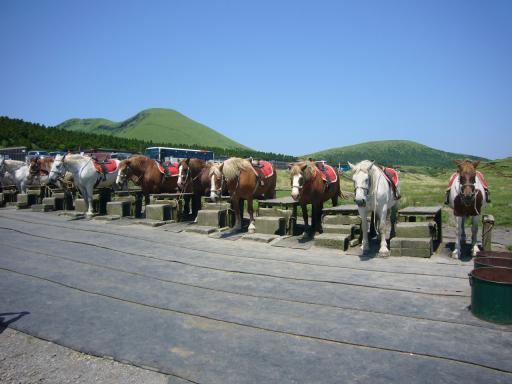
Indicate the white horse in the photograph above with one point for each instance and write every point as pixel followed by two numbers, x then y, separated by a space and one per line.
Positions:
pixel 373 194
pixel 14 172
pixel 467 198
pixel 85 175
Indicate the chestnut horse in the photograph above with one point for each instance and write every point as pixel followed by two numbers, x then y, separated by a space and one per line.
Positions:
pixel 243 183
pixel 194 177
pixel 308 187
pixel 144 172
pixel 39 169
pixel 467 198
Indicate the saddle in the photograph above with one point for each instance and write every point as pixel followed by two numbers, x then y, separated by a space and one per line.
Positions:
pixel 263 170
pixel 392 178
pixel 328 173
pixel 104 167
pixel 168 169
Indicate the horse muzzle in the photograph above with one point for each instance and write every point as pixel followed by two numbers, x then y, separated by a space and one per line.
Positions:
pixel 360 202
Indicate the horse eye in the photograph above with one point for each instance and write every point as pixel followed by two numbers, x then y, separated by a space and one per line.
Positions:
pixel 301 181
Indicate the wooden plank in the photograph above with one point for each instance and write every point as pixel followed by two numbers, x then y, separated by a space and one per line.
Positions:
pixel 420 211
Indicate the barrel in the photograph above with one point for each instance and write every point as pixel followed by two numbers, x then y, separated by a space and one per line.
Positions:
pixel 492 262
pixel 491 294
pixel 503 255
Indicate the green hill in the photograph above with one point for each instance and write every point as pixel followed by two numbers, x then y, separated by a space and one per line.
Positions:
pixel 391 153
pixel 157 125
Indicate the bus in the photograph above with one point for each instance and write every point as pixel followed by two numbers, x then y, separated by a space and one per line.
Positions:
pixel 173 154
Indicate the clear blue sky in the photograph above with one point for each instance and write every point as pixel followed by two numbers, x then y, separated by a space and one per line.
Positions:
pixel 284 76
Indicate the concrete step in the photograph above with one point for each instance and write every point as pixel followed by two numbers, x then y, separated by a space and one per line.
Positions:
pixel 213 218
pixel 216 206
pixel 201 229
pixel 274 212
pixel 119 208
pixel 341 219
pixel 159 212
pixel 41 207
pixel 413 247
pixel 331 240
pixel 345 229
pixel 270 225
pixel 416 229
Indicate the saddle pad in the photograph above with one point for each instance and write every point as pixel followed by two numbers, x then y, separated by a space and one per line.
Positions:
pixel 478 174
pixel 266 169
pixel 391 175
pixel 109 165
pixel 173 168
pixel 328 173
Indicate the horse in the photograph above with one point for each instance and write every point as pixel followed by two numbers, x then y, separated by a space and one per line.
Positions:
pixel 467 198
pixel 309 186
pixel 39 169
pixel 14 172
pixel 373 193
pixel 145 172
pixel 86 175
pixel 194 176
pixel 243 183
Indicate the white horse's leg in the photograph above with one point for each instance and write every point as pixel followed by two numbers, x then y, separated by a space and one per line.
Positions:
pixel 88 200
pixel 365 246
pixel 250 209
pixel 383 250
pixel 474 233
pixel 458 230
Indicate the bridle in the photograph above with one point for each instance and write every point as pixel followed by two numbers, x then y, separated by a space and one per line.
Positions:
pixel 136 179
pixel 467 200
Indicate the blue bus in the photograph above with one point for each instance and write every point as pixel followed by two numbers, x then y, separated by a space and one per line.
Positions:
pixel 172 154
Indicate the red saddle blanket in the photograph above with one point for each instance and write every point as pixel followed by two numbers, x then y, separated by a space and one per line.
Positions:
pixel 265 169
pixel 327 172
pixel 391 175
pixel 478 174
pixel 173 168
pixel 109 166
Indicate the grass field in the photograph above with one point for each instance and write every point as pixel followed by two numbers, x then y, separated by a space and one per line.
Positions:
pixel 425 186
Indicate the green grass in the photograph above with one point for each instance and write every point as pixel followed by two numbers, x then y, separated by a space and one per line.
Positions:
pixel 157 125
pixel 425 186
pixel 390 153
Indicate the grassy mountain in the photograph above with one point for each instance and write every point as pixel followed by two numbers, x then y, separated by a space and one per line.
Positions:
pixel 391 153
pixel 157 125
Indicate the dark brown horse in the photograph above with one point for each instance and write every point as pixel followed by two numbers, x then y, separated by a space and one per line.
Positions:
pixel 309 186
pixel 468 190
pixel 194 177
pixel 39 170
pixel 145 173
pixel 243 183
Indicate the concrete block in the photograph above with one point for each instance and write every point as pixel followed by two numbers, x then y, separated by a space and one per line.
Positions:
pixel 80 205
pixel 201 229
pixel 58 204
pixel 41 207
pixel 2 200
pixel 346 229
pixel 159 212
pixel 419 243
pixel 119 208
pixel 34 191
pixel 341 219
pixel 332 240
pixel 416 229
pixel 213 218
pixel 270 225
pixel 221 205
pixel 22 200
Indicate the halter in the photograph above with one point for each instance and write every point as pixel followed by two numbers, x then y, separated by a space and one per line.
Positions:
pixel 219 190
pixel 304 184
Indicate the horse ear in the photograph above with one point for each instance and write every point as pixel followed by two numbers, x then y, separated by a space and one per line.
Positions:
pixel 475 163
pixel 371 165
pixel 187 160
pixel 352 166
pixel 303 167
pixel 290 165
pixel 458 163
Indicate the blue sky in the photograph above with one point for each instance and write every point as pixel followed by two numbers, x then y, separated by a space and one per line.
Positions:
pixel 283 76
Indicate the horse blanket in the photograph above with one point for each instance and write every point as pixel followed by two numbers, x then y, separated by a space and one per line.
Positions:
pixel 108 166
pixel 263 169
pixel 173 168
pixel 391 175
pixel 327 172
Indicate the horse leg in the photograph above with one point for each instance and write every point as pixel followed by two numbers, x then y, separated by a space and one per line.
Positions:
pixel 250 209
pixel 318 219
pixel 88 201
pixel 474 232
pixel 304 209
pixel 383 251
pixel 235 202
pixel 463 231
pixel 458 230
pixel 365 246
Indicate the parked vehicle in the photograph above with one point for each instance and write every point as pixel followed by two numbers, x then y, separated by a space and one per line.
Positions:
pixel 32 154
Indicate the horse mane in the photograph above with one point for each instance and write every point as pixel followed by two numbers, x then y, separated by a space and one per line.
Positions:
pixel 137 161
pixel 195 165
pixel 363 166
pixel 309 171
pixel 233 166
pixel 46 163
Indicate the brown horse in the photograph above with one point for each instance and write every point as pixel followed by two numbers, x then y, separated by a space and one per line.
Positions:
pixel 39 169
pixel 310 187
pixel 145 172
pixel 468 190
pixel 243 183
pixel 194 177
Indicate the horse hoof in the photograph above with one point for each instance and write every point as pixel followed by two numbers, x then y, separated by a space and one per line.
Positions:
pixel 455 255
pixel 383 254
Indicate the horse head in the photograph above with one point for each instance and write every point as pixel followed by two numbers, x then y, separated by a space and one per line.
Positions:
pixel 124 172
pixel 184 173
pixel 58 168
pixel 216 178
pixel 467 180
pixel 362 181
pixel 301 174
